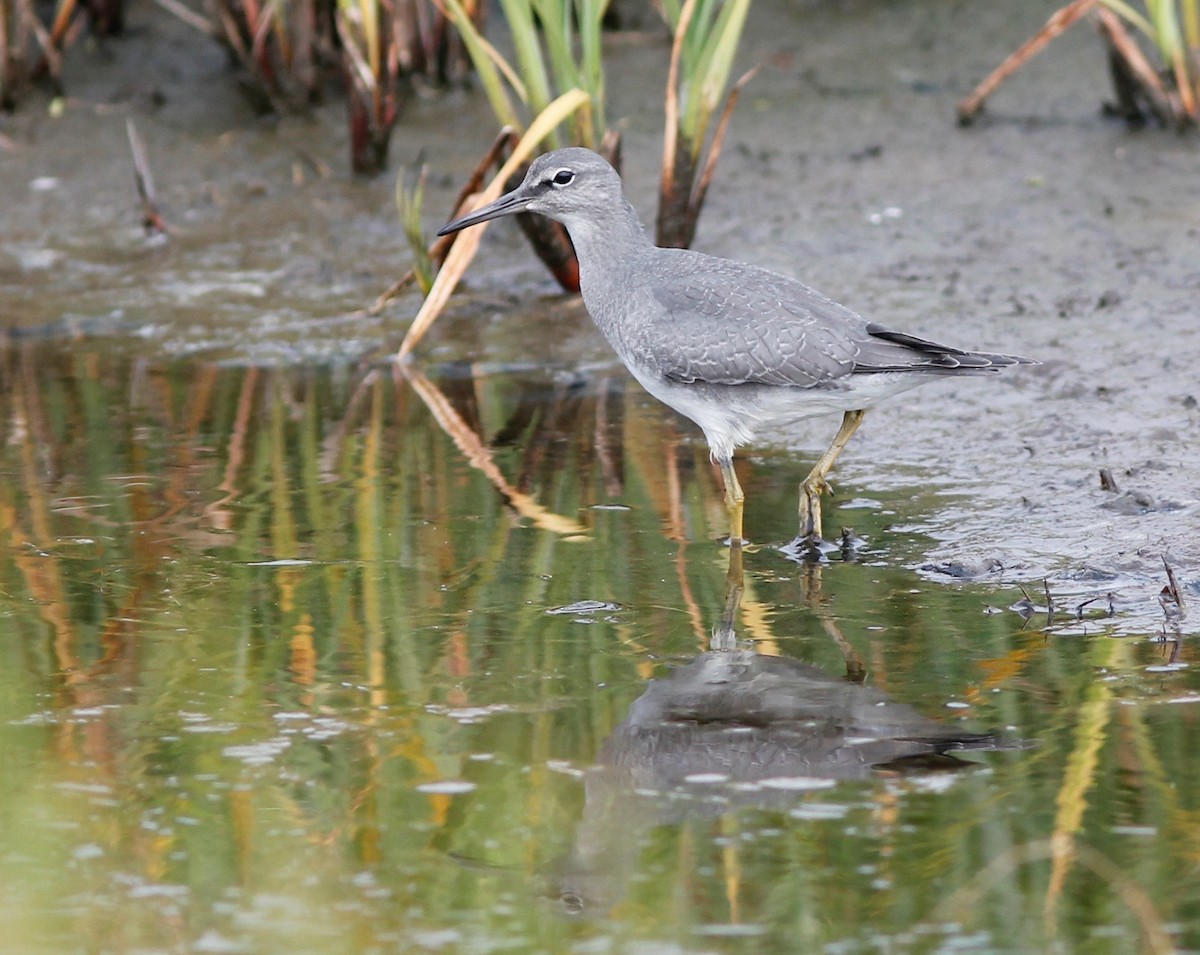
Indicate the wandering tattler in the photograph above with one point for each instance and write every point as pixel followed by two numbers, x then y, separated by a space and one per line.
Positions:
pixel 733 347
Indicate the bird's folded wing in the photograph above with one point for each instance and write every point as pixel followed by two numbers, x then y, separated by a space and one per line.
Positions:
pixel 749 327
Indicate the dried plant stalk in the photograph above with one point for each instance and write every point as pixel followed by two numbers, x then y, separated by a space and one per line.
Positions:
pixel 1059 21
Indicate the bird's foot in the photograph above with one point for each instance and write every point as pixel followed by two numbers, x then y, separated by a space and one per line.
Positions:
pixel 811 548
pixel 810 507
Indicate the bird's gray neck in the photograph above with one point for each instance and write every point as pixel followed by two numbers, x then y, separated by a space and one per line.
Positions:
pixel 607 242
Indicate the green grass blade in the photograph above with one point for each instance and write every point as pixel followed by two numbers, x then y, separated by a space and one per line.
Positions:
pixel 698 42
pixel 1160 15
pixel 409 203
pixel 555 16
pixel 728 34
pixel 591 13
pixel 370 26
pixel 706 77
pixel 1167 33
pixel 530 62
pixel 1130 15
pixel 1191 24
pixel 670 10
pixel 488 65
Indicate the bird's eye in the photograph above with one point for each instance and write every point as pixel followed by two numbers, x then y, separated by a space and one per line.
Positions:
pixel 562 177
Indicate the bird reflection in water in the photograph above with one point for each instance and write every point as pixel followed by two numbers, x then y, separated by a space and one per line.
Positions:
pixel 737 728
pixel 731 728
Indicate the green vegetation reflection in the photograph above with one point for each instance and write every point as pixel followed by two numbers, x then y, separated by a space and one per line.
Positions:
pixel 340 659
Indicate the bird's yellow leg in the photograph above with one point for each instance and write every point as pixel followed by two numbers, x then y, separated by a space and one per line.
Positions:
pixel 724 635
pixel 734 577
pixel 734 499
pixel 815 484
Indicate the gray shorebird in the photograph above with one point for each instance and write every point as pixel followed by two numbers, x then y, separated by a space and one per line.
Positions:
pixel 732 346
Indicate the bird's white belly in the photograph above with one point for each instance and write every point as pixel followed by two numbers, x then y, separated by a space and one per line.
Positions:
pixel 733 415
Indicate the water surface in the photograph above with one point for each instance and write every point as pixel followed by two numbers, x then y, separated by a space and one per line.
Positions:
pixel 329 658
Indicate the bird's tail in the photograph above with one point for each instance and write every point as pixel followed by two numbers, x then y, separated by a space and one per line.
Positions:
pixel 921 354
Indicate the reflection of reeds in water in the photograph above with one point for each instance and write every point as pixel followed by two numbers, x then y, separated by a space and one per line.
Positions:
pixel 184 465
pixel 302 567
pixel 443 482
pixel 481 457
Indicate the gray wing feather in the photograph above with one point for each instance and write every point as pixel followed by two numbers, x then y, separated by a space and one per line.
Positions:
pixel 726 323
pixel 785 332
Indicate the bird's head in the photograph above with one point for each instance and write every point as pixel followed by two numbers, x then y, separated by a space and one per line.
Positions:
pixel 568 185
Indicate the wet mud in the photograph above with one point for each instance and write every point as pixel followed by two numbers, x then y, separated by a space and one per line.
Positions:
pixel 1046 230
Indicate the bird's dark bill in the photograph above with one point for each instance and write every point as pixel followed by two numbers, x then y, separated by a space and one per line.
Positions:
pixel 505 205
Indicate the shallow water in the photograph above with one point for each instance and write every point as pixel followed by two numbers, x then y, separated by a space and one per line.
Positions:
pixel 332 658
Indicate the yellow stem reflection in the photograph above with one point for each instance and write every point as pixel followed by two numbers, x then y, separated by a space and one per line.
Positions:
pixel 479 456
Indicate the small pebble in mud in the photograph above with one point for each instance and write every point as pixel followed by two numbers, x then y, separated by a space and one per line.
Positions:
pixel 1134 502
pixel 891 212
pixel 966 570
pixel 874 151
